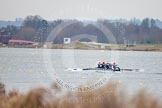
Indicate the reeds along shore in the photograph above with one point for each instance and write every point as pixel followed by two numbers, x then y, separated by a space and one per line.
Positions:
pixel 108 96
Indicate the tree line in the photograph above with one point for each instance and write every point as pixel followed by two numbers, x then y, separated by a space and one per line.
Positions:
pixel 37 29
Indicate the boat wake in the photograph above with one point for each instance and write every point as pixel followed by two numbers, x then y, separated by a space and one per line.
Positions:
pixel 74 70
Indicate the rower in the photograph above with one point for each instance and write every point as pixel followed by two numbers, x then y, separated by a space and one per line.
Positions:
pixel 113 66
pixel 107 65
pixel 103 65
pixel 114 63
pixel 99 65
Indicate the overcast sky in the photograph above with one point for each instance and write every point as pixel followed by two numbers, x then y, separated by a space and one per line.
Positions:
pixel 81 9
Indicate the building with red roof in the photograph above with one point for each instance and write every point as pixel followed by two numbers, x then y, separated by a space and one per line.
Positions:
pixel 21 42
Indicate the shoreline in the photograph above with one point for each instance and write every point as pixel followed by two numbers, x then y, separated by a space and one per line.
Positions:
pixel 81 46
pixel 147 50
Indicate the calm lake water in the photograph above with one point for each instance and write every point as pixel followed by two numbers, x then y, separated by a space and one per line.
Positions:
pixel 23 69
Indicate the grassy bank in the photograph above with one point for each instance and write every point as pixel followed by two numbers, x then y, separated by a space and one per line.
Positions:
pixel 98 46
pixel 89 46
pixel 109 96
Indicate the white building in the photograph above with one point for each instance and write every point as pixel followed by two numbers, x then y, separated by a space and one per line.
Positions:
pixel 67 40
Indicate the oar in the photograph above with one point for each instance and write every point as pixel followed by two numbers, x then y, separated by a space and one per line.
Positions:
pixel 91 69
pixel 130 69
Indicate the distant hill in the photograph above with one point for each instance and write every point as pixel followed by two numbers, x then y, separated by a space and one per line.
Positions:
pixel 14 23
pixel 159 23
pixel 18 23
pixel 35 28
pixel 136 21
